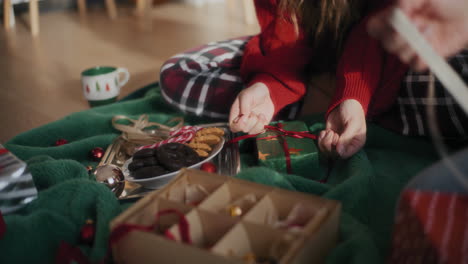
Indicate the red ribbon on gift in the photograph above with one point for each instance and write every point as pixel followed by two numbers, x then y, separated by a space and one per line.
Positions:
pixel 2 226
pixel 122 230
pixel 281 133
pixel 67 254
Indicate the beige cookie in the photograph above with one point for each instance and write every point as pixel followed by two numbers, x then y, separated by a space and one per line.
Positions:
pixel 207 139
pixel 202 153
pixel 200 146
pixel 211 131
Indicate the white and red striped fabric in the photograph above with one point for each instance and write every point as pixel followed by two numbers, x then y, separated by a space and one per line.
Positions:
pixel 182 135
pixel 16 183
pixel 431 227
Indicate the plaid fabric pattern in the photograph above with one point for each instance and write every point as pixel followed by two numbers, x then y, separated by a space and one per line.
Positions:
pixel 206 80
pixel 408 115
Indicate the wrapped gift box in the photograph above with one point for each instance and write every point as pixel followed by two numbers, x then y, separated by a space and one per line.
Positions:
pixel 208 218
pixel 302 152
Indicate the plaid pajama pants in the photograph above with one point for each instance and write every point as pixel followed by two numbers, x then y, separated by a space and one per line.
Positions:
pixel 206 80
pixel 408 115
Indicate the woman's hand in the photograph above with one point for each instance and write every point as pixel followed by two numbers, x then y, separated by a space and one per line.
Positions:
pixel 345 132
pixel 252 110
pixel 443 23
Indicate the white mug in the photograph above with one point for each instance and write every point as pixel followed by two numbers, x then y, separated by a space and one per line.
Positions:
pixel 102 84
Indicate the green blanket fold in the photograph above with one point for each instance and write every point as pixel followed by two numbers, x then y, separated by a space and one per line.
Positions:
pixel 367 184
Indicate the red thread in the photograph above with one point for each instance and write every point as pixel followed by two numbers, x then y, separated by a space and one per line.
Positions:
pixel 123 229
pixel 281 133
pixel 2 226
pixel 3 151
pixel 287 155
pixel 67 254
pixel 181 135
pixel 183 224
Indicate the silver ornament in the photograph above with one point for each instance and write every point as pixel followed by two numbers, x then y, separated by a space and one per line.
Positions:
pixel 111 176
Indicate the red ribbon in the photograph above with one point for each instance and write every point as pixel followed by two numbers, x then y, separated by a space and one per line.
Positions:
pixel 280 133
pixel 285 133
pixel 68 254
pixel 122 230
pixel 2 226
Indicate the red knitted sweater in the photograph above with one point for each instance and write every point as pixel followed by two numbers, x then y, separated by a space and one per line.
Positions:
pixel 278 56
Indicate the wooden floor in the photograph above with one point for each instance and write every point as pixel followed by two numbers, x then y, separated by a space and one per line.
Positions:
pixel 40 78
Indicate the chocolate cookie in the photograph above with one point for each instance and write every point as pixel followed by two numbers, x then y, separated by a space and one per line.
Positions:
pixel 149 172
pixel 140 163
pixel 144 153
pixel 174 156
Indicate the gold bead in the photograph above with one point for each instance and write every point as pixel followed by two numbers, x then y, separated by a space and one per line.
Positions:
pixel 249 258
pixel 235 210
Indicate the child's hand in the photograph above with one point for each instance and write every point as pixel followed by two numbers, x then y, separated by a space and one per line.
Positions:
pixel 346 130
pixel 252 110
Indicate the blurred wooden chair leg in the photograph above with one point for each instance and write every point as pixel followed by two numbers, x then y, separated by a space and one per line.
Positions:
pixel 249 12
pixel 82 7
pixel 7 14
pixel 111 8
pixel 141 6
pixel 34 17
pixel 231 4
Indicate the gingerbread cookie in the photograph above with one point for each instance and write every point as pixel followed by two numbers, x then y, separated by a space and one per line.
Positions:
pixel 200 146
pixel 202 153
pixel 210 131
pixel 205 139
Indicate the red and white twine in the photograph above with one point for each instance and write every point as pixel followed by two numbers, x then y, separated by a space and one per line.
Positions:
pixel 181 135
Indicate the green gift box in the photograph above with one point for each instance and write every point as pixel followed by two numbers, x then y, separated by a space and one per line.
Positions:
pixel 300 145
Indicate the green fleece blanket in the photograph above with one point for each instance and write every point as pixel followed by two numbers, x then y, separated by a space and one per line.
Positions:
pixel 368 184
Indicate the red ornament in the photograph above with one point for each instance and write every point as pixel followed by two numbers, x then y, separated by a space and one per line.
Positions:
pixel 96 154
pixel 61 142
pixel 209 167
pixel 87 232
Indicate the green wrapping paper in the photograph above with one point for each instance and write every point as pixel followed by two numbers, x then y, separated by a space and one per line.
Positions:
pixel 303 151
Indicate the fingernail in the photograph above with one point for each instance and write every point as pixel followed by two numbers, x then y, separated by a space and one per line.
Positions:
pixel 236 120
pixel 340 150
pixel 322 134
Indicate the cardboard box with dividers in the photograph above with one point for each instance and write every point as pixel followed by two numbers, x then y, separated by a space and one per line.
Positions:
pixel 208 218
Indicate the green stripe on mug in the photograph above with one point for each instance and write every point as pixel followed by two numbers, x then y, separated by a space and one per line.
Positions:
pixel 98 71
pixel 102 102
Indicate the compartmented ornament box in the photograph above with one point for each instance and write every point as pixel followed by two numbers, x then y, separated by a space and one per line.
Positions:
pixel 209 218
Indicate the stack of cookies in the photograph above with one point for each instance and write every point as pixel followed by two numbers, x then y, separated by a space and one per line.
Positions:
pixel 149 163
pixel 205 139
